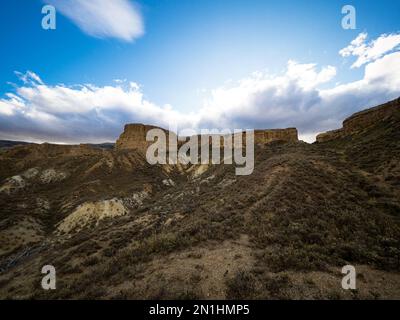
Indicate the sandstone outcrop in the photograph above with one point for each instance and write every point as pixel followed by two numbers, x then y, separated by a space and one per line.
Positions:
pixel 362 120
pixel 31 176
pixel 266 136
pixel 92 212
pixel 330 135
pixel 134 137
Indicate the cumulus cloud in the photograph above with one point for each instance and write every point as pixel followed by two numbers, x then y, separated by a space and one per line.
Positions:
pixel 307 76
pixel 59 113
pixel 293 99
pixel 368 52
pixel 37 111
pixel 103 18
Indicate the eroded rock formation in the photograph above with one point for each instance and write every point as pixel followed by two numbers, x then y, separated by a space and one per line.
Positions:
pixel 266 136
pixel 134 137
pixel 362 120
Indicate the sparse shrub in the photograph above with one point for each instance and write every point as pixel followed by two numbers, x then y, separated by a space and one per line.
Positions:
pixel 241 286
pixel 91 261
pixel 276 283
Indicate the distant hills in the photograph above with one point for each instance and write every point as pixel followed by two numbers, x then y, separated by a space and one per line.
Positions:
pixel 10 144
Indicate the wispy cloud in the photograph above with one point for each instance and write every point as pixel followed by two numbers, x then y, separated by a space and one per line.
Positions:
pixel 29 77
pixel 103 18
pixel 368 52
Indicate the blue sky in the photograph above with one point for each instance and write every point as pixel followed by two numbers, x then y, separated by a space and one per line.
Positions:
pixel 190 55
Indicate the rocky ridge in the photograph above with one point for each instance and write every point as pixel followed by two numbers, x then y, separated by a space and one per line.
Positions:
pixel 362 120
pixel 134 137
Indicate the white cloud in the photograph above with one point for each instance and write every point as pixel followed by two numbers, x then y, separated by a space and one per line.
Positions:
pixel 284 101
pixel 6 108
pixel 88 113
pixel 41 112
pixel 266 101
pixel 368 52
pixel 103 18
pixel 307 76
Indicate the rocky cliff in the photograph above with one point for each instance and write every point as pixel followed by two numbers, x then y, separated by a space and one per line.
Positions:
pixel 266 136
pixel 362 120
pixel 134 136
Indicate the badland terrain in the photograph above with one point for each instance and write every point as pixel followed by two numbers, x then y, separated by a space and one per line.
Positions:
pixel 116 227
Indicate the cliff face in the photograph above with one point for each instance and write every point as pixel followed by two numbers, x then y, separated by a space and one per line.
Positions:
pixel 134 136
pixel 266 136
pixel 330 135
pixel 362 120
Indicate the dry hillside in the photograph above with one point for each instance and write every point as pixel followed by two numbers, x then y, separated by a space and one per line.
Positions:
pixel 116 227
